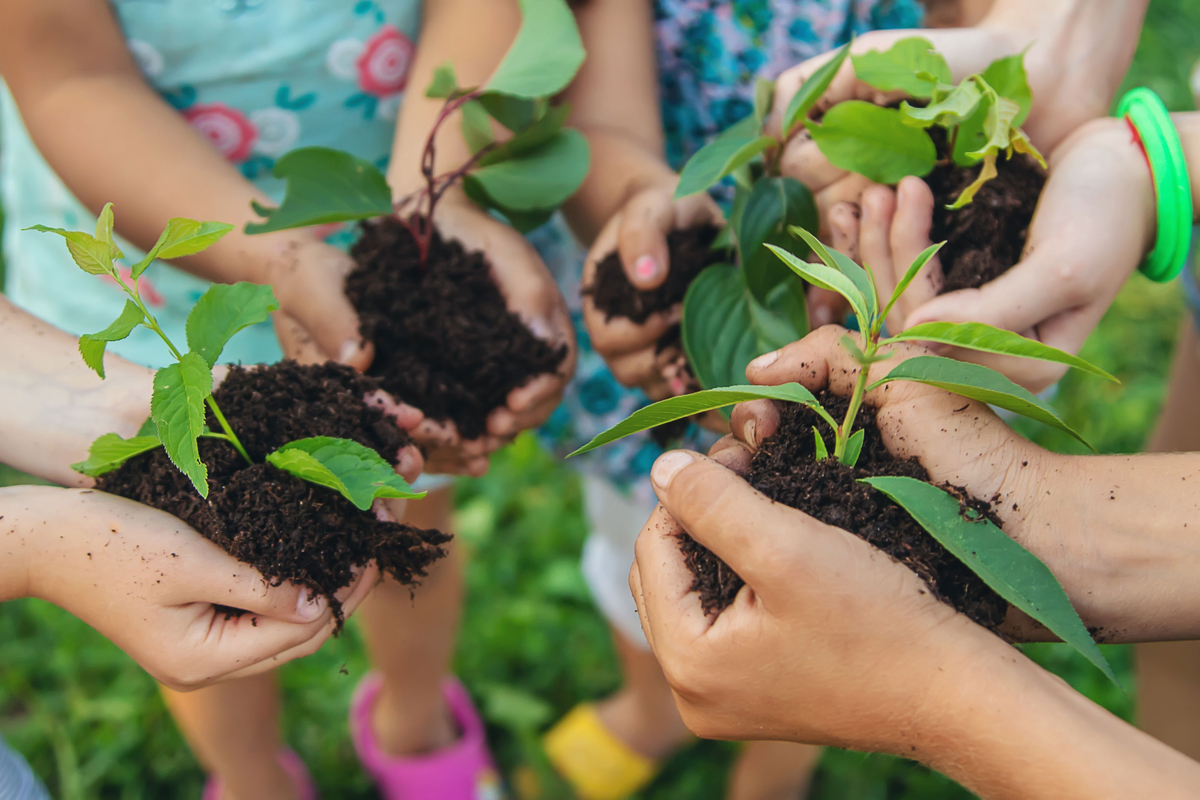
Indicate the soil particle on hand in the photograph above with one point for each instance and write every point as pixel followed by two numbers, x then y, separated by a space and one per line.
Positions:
pixel 445 340
pixel 286 528
pixel 784 469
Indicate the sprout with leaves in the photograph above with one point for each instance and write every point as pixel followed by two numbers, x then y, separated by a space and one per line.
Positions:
pixel 525 177
pixel 184 389
pixel 1014 573
pixel 981 117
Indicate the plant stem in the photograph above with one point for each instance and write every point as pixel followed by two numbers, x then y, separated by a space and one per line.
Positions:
pixel 233 440
pixel 856 398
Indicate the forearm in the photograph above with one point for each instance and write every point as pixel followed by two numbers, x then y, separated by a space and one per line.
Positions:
pixel 620 168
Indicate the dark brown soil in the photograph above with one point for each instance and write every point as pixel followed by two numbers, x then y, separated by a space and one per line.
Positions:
pixel 784 469
pixel 286 528
pixel 984 238
pixel 445 341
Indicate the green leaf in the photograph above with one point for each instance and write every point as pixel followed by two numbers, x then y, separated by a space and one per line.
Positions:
pixel 104 229
pixel 811 90
pixel 978 383
pixel 149 427
pixel 970 136
pixel 325 185
pixel 358 472
pixel 177 407
pixel 111 451
pixel 897 68
pixel 530 138
pixel 874 141
pixel 957 107
pixel 987 171
pixel 720 157
pixel 688 405
pixel 769 208
pixel 826 278
pixel 845 264
pixel 915 267
pixel 1012 571
pixel 1007 76
pixel 546 54
pixel 538 179
pixel 224 310
pixel 91 345
pixel 444 83
pixel 822 451
pixel 764 96
pixel 985 338
pixel 476 126
pixel 514 113
pixel 186 237
pixel 90 254
pixel 997 127
pixel 853 448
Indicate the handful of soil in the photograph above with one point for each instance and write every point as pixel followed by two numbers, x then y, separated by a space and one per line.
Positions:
pixel 286 528
pixel 784 469
pixel 445 341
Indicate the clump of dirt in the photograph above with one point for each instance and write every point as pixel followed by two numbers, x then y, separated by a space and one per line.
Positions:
pixel 286 528
pixel 445 341
pixel 784 468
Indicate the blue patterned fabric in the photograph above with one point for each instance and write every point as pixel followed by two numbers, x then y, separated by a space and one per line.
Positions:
pixel 17 781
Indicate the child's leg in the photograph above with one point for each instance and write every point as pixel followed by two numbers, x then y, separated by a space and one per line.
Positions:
pixel 642 713
pixel 1169 672
pixel 773 771
pixel 411 638
pixel 233 729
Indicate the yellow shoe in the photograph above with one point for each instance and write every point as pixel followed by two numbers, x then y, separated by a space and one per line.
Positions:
pixel 598 765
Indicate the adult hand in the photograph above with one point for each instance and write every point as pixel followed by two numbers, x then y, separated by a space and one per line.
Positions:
pixel 153 586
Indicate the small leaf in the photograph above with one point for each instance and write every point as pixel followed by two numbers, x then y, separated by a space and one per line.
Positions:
pixel 957 107
pixel 90 254
pixel 104 229
pixel 546 54
pixel 845 265
pixel 177 407
pixel 1013 572
pixel 764 96
pixel 986 339
pixel 986 172
pixel 538 179
pixel 811 90
pixel 720 157
pixel 323 186
pixel 358 472
pixel 768 209
pixel 853 448
pixel 997 126
pixel 874 141
pixel 224 310
pixel 1007 76
pixel 110 451
pixel 897 68
pixel 186 237
pixel 514 113
pixel 826 278
pixel 970 136
pixel 819 443
pixel 444 83
pixel 978 383
pixel 915 267
pixel 1021 143
pixel 149 428
pixel 530 138
pixel 91 345
pixel 476 126
pixel 688 405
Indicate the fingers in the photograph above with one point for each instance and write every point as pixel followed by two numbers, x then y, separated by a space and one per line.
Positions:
pixel 642 238
pixel 404 415
pixel 909 236
pixel 309 281
pixel 661 584
pixel 296 342
pixel 621 335
pixel 755 421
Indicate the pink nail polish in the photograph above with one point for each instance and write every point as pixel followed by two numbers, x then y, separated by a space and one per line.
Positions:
pixel 645 267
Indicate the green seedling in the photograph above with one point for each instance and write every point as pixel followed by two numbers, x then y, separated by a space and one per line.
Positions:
pixel 524 177
pixel 183 390
pixel 981 117
pixel 1014 573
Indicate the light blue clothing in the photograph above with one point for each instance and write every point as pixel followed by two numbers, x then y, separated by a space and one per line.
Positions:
pixel 257 78
pixel 17 781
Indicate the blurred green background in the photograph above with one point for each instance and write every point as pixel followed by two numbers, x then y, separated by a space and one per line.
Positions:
pixel 93 725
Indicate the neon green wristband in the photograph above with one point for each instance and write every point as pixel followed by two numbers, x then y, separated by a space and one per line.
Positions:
pixel 1151 122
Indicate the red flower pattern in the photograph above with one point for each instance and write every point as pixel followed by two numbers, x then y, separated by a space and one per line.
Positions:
pixel 384 62
pixel 226 128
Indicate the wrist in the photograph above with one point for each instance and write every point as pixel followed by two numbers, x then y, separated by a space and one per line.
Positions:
pixel 17 504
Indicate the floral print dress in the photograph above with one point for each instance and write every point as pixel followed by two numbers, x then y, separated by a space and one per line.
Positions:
pixel 257 78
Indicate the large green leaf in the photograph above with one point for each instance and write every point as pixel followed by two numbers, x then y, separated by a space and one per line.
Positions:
pixel 846 265
pixel 224 310
pixel 1012 571
pixel 111 451
pixel 476 126
pixel 970 136
pixel 978 383
pixel 89 253
pixel 177 407
pixel 91 345
pixel 811 90
pixel 325 185
pixel 720 157
pixel 530 138
pixel 1007 76
pixel 546 54
pixel 985 338
pixel 958 106
pixel 873 141
pixel 769 208
pixel 688 405
pixel 541 178
pixel 345 466
pixel 514 113
pixel 915 267
pixel 826 278
pixel 897 68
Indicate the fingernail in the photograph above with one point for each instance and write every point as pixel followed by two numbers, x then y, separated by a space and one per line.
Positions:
pixel 751 429
pixel 668 464
pixel 348 352
pixel 310 607
pixel 766 360
pixel 678 386
pixel 646 268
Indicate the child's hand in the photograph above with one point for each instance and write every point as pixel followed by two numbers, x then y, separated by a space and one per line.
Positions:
pixel 152 585
pixel 638 233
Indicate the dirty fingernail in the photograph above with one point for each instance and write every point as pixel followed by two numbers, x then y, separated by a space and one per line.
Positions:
pixel 646 268
pixel 766 360
pixel 751 431
pixel 668 464
pixel 310 607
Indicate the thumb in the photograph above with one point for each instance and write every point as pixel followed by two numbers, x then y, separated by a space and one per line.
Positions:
pixel 247 589
pixel 312 292
pixel 642 239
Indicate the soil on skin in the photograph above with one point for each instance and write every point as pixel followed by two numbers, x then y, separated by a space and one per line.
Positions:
pixel 784 469
pixel 445 341
pixel 984 238
pixel 286 528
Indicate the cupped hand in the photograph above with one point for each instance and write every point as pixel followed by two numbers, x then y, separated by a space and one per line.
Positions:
pixel 153 585
pixel 638 235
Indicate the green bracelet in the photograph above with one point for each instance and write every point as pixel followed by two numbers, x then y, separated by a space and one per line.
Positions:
pixel 1147 115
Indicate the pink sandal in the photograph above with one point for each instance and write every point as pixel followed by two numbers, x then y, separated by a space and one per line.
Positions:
pixel 462 771
pixel 292 764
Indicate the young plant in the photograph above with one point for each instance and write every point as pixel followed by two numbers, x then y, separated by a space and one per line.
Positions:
pixel 732 315
pixel 184 389
pixel 980 117
pixel 1014 573
pixel 524 178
